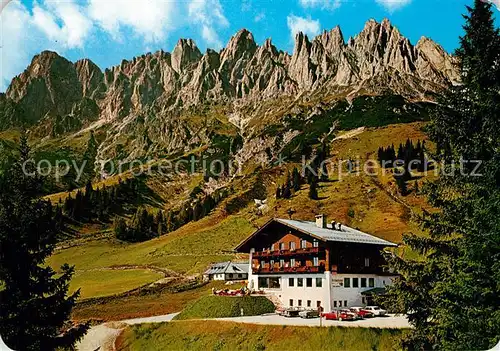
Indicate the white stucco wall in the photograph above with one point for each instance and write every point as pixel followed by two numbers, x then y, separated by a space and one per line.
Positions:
pixel 353 294
pixel 330 294
pixel 304 293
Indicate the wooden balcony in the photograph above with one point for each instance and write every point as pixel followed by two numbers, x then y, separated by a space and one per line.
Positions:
pixel 288 270
pixel 285 253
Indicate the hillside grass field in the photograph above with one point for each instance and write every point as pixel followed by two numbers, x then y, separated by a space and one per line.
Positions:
pixel 187 251
pixel 109 282
pixel 217 335
pixel 137 305
pixel 370 203
pixel 224 306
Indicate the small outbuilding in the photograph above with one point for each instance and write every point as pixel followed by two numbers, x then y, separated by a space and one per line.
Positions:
pixel 227 271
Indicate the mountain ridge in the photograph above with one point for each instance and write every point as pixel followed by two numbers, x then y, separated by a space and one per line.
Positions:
pixel 148 94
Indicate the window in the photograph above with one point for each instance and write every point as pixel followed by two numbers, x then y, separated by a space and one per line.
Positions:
pixel 303 244
pixel 308 303
pixel 262 264
pixel 345 303
pixel 316 261
pixel 269 283
pixel 292 245
pixel 319 282
pixel 335 304
pixel 300 282
pixel 240 275
pixel 340 303
pixel 347 282
pixel 315 243
pixel 271 264
pixel 363 282
pixel 272 247
pixel 299 303
pixel 282 263
pixel 355 282
pixel 367 262
pixel 291 302
pixel 282 246
pixel 274 283
pixel 291 282
pixel 292 262
pixel 363 301
pixel 318 303
pixel 371 282
pixel 309 282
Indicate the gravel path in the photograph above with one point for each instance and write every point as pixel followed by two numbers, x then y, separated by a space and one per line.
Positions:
pixel 102 337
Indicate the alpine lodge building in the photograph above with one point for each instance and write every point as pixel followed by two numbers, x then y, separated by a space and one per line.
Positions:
pixel 310 264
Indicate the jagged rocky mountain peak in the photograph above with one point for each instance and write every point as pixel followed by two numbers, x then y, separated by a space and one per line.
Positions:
pixel 185 54
pixel 379 60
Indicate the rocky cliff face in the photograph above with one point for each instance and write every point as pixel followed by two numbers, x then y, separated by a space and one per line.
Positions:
pixel 150 92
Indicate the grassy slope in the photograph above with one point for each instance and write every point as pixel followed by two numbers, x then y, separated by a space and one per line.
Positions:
pixel 375 210
pixel 108 282
pixel 187 250
pixel 216 335
pixel 136 306
pixel 221 306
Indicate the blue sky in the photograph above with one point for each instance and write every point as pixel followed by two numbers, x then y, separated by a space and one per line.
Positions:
pixel 107 31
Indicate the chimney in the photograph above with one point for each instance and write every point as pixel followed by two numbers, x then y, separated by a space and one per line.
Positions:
pixel 321 221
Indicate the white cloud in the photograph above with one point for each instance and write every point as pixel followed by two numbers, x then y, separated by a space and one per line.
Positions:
pixel 74 28
pixel 21 40
pixel 60 25
pixel 13 50
pixel 209 15
pixel 496 3
pixel 259 17
pixel 151 19
pixel 305 25
pixel 324 4
pixel 392 5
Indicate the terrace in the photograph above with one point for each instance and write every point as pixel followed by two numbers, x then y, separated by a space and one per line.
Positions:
pixel 284 253
pixel 280 270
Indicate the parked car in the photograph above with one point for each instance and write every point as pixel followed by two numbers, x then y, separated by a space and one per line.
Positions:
pixel 339 315
pixel 377 311
pixel 309 314
pixel 361 312
pixel 347 310
pixel 290 312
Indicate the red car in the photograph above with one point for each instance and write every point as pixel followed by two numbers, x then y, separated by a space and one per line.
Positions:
pixel 361 312
pixel 339 315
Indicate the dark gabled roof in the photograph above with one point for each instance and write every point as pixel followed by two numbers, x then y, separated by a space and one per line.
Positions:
pixel 227 267
pixel 346 234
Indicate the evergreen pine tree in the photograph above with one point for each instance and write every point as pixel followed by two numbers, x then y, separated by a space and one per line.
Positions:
pixel 453 289
pixel 286 193
pixel 278 192
pixel 160 223
pixel 313 190
pixel 34 305
pixel 120 228
pixel 296 179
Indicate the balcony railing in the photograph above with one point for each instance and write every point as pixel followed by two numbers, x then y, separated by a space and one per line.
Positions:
pixel 284 253
pixel 280 270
